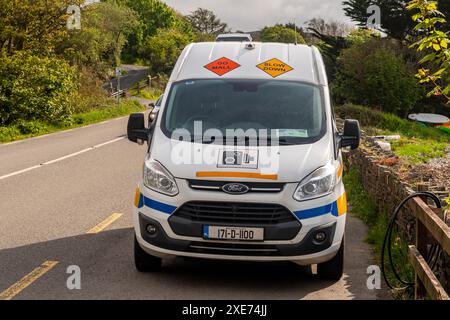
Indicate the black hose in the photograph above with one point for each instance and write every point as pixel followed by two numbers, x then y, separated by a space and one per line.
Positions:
pixel 433 253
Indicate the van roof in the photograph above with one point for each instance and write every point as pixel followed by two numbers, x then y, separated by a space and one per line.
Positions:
pixel 254 60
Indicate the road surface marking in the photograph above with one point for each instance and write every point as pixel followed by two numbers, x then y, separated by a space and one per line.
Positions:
pixel 61 132
pixel 105 223
pixel 9 175
pixel 26 281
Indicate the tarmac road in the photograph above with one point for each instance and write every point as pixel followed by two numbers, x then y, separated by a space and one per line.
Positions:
pixel 47 212
pixel 132 75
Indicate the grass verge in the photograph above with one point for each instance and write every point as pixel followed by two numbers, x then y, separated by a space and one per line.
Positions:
pixel 390 123
pixel 149 94
pixel 415 151
pixel 365 208
pixel 28 129
pixel 418 143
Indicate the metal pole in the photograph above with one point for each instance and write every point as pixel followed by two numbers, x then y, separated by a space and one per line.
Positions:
pixel 295 30
pixel 118 88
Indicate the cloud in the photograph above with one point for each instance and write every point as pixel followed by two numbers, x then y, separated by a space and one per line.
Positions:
pixel 250 15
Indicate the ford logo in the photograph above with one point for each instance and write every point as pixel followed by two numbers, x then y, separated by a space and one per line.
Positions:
pixel 235 188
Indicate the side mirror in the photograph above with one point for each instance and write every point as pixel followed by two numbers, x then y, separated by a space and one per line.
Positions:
pixel 352 135
pixel 136 130
pixel 152 116
pixel 151 105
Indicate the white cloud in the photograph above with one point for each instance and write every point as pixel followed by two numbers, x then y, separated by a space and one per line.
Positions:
pixel 250 15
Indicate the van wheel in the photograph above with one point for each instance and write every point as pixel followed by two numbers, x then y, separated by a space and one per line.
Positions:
pixel 334 268
pixel 145 262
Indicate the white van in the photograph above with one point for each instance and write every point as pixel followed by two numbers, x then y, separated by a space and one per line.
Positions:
pixel 244 160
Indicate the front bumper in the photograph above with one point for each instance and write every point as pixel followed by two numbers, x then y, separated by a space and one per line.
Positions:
pixel 300 248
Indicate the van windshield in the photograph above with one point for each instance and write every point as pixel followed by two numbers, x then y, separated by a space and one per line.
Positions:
pixel 291 111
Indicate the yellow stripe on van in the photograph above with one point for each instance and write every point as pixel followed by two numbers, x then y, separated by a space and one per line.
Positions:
pixel 342 204
pixel 250 175
pixel 137 198
pixel 340 170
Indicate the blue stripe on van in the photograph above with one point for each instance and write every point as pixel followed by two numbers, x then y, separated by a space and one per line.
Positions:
pixel 316 212
pixel 166 208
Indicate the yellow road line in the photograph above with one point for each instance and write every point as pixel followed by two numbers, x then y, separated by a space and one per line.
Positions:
pixel 105 223
pixel 26 281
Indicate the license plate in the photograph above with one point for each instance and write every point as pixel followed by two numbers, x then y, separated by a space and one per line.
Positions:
pixel 233 233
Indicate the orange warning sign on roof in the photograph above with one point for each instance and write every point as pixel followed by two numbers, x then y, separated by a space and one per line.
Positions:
pixel 275 67
pixel 222 66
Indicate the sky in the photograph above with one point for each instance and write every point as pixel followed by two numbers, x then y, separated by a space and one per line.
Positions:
pixel 251 15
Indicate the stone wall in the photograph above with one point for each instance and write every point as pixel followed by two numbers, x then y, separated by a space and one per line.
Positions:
pixel 385 187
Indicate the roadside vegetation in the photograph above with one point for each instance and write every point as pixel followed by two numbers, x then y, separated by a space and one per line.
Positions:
pixel 364 207
pixel 418 143
pixel 27 129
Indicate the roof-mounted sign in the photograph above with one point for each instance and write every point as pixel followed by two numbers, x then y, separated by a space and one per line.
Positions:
pixel 222 66
pixel 275 67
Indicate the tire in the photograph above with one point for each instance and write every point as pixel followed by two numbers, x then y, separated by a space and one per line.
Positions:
pixel 334 268
pixel 145 262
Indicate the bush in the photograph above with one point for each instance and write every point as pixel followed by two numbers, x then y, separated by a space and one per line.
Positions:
pixel 90 94
pixel 376 74
pixel 35 88
pixel 163 49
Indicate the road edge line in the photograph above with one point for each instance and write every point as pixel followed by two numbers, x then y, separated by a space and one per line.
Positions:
pixel 27 280
pixel 15 173
pixel 105 223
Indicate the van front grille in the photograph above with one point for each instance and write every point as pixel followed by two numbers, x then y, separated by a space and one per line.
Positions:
pixel 235 213
pixel 266 187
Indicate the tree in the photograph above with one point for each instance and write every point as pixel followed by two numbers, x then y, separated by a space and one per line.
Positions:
pixel 377 75
pixel 204 21
pixel 32 25
pixel 99 44
pixel 152 15
pixel 280 33
pixel 436 43
pixel 395 17
pixel 163 49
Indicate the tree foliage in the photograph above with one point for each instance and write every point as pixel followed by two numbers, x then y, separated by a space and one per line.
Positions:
pixel 395 17
pixel 34 87
pixel 104 33
pixel 162 50
pixel 436 43
pixel 280 33
pixel 152 15
pixel 376 74
pixel 32 25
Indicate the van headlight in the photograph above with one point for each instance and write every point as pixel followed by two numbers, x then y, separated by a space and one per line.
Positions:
pixel 157 178
pixel 318 184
